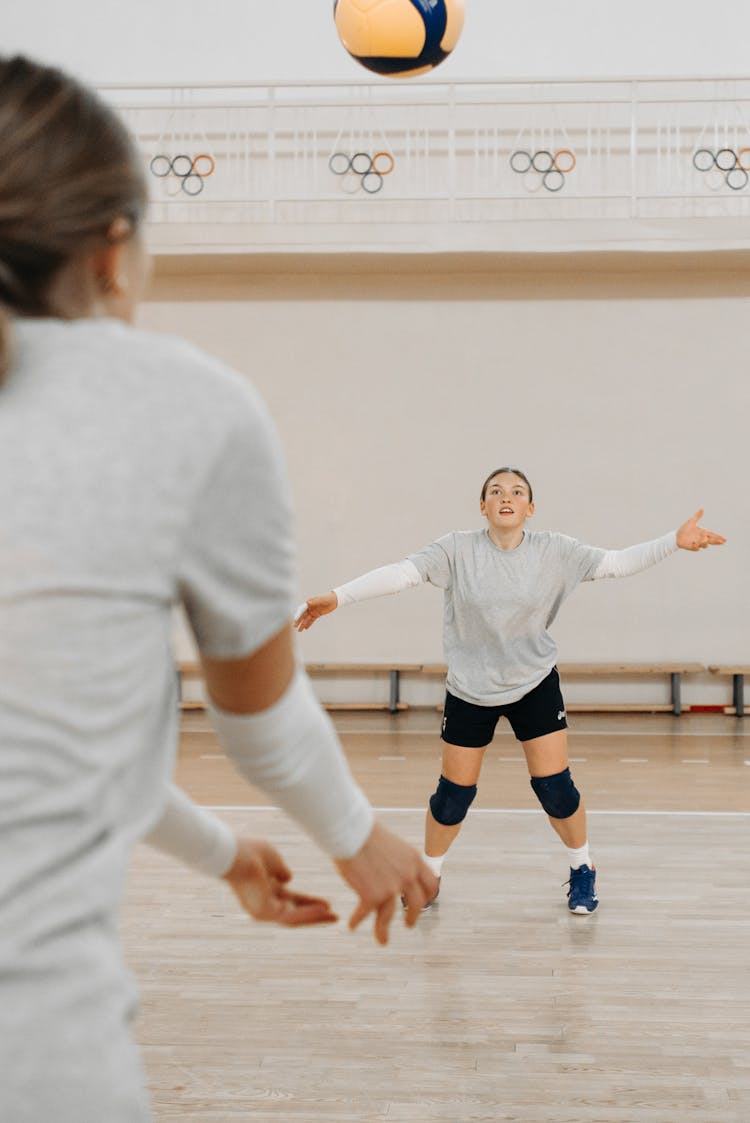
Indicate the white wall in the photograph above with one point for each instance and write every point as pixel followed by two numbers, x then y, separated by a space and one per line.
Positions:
pixel 624 398
pixel 284 40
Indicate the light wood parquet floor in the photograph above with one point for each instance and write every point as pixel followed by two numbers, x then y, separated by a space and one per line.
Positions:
pixel 500 1005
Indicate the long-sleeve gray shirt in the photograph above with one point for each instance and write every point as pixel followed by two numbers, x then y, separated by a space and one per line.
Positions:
pixel 499 604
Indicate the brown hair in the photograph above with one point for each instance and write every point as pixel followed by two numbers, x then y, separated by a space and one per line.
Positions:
pixel 68 169
pixel 513 472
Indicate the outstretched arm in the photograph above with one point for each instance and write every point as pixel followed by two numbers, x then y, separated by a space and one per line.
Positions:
pixel 380 582
pixel 634 559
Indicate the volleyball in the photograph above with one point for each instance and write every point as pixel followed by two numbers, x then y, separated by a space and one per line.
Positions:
pixel 399 38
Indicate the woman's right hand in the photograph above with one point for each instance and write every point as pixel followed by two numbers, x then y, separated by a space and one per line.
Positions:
pixel 385 869
pixel 308 613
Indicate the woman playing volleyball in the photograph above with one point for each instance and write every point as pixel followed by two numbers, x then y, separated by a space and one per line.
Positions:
pixel 135 473
pixel 503 587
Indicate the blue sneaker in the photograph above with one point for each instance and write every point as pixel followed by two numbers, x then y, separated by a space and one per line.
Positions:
pixel 582 896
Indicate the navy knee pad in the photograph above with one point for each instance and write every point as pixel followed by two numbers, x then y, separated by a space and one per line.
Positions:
pixel 451 801
pixel 557 794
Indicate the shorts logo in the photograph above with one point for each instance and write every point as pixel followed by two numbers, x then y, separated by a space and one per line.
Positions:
pixel 445 722
pixel 561 715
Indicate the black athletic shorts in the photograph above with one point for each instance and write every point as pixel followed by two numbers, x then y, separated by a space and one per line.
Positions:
pixel 539 712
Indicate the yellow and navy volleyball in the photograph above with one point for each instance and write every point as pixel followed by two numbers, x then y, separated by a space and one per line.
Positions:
pixel 399 38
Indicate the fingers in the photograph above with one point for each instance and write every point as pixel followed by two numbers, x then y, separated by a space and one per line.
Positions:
pixel 703 538
pixel 693 537
pixel 360 912
pixel 298 910
pixel 382 871
pixel 413 910
pixel 305 617
pixel 383 918
pixel 269 902
pixel 275 864
pixel 414 894
pixel 415 898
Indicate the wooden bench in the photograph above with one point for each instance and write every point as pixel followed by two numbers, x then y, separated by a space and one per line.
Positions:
pixel 393 670
pixel 188 671
pixel 674 671
pixel 738 672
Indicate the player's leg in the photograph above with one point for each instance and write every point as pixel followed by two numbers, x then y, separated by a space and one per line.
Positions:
pixel 467 731
pixel 547 761
pixel 539 722
pixel 448 807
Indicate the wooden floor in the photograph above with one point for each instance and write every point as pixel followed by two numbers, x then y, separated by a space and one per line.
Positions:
pixel 501 1005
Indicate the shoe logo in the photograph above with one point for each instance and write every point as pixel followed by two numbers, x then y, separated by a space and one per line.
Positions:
pixel 561 715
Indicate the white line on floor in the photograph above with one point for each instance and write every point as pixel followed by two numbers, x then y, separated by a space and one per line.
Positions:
pixel 511 811
pixel 633 760
pixel 391 758
pixel 516 759
pixel 694 760
pixel 572 731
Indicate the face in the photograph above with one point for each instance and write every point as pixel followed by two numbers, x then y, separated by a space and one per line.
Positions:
pixel 506 504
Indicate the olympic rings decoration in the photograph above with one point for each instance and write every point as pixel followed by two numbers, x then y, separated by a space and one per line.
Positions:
pixel 725 166
pixel 551 168
pixel 191 171
pixel 570 160
pixel 361 170
pixel 390 163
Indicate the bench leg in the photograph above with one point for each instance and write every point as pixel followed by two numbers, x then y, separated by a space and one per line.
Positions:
pixel 738 692
pixel 676 698
pixel 394 692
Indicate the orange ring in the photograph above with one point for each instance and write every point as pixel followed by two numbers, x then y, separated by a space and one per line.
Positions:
pixel 745 167
pixel 563 152
pixel 212 162
pixel 383 171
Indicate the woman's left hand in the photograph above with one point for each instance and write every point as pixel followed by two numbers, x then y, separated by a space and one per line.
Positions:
pixel 259 877
pixel 690 536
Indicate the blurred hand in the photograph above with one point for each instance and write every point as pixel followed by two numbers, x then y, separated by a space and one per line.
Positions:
pixel 690 536
pixel 308 613
pixel 380 873
pixel 258 877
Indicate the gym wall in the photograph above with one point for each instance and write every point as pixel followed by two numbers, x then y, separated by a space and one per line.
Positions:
pixel 620 389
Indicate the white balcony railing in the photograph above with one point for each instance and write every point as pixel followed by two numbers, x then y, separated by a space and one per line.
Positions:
pixel 465 166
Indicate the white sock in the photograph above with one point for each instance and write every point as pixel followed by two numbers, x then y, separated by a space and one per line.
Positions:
pixel 435 864
pixel 579 856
